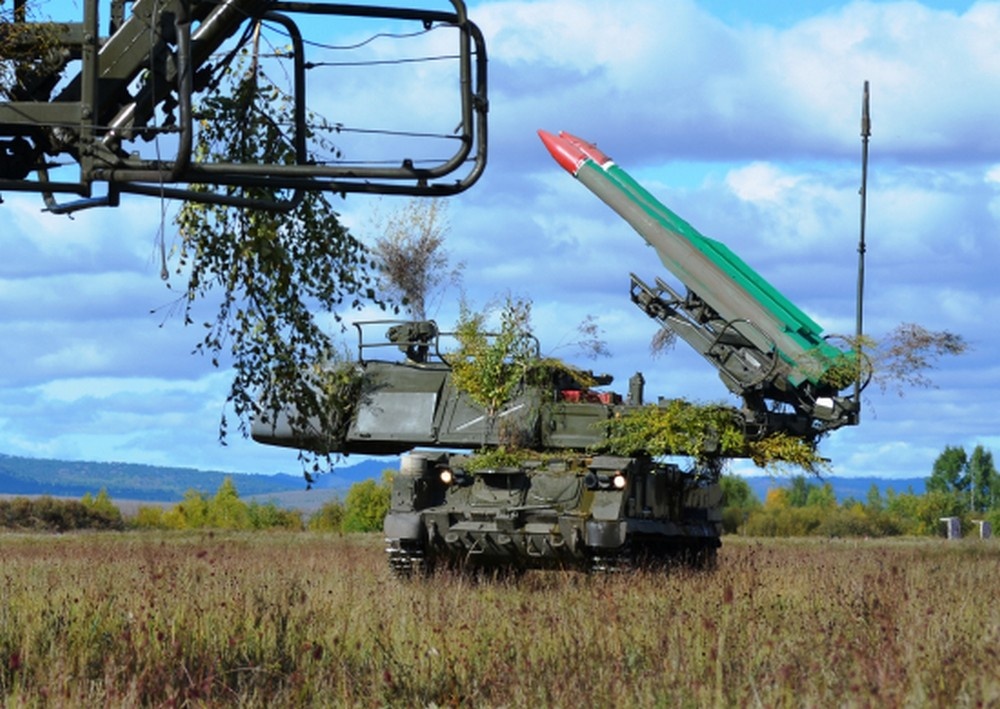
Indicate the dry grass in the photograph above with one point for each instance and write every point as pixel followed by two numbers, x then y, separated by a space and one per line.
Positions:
pixel 295 619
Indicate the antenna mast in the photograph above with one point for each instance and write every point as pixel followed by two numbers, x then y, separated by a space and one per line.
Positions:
pixel 866 132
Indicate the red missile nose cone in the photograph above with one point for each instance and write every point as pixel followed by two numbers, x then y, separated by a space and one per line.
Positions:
pixel 565 153
pixel 588 149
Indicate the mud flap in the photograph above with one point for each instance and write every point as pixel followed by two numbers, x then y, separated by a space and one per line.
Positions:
pixel 605 534
pixel 403 525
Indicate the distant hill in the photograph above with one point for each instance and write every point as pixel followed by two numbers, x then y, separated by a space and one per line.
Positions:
pixel 843 488
pixel 150 483
pixel 131 481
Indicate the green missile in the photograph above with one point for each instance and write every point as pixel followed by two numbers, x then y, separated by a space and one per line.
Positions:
pixel 797 321
pixel 707 267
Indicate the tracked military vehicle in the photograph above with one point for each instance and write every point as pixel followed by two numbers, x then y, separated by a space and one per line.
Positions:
pixel 538 484
pixel 553 500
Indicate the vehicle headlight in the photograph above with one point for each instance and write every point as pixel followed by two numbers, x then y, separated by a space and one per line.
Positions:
pixel 605 481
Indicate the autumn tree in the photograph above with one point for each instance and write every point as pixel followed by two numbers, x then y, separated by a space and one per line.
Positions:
pixel 984 482
pixel 799 491
pixel 738 501
pixel 189 513
pixel 409 252
pixel 366 504
pixel 902 359
pixel 102 507
pixel 269 271
pixel 822 496
pixel 329 517
pixel 972 479
pixel 226 510
pixel 490 365
pixel 873 500
pixel 949 473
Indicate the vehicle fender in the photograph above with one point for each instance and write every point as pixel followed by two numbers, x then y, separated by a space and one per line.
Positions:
pixel 403 525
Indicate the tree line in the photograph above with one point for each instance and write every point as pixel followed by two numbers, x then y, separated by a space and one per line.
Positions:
pixel 961 485
pixel 362 510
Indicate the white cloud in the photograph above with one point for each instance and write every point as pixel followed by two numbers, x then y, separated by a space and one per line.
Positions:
pixel 669 76
pixel 141 420
pixel 600 40
pixel 760 182
pixel 92 241
pixel 86 356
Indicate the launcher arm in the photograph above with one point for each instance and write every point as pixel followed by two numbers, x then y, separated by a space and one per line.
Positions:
pixel 138 83
pixel 760 376
pixel 765 348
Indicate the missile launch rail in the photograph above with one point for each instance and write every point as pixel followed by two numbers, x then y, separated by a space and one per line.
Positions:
pixel 766 349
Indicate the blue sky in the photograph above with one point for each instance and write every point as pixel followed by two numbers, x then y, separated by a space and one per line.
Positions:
pixel 742 117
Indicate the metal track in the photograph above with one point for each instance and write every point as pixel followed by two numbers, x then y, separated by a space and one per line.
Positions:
pixel 408 563
pixel 610 562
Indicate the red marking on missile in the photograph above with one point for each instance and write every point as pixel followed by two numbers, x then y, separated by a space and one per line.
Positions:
pixel 588 149
pixel 566 153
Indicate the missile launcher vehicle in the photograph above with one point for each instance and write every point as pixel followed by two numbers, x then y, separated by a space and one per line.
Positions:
pixel 540 482
pixel 527 489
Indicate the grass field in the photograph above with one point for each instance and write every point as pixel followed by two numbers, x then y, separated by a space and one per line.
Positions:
pixel 294 619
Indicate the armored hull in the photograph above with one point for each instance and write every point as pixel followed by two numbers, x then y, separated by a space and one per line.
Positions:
pixel 596 513
pixel 544 481
pixel 551 501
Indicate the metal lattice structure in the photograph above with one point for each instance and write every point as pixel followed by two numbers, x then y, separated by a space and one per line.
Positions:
pixel 74 97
